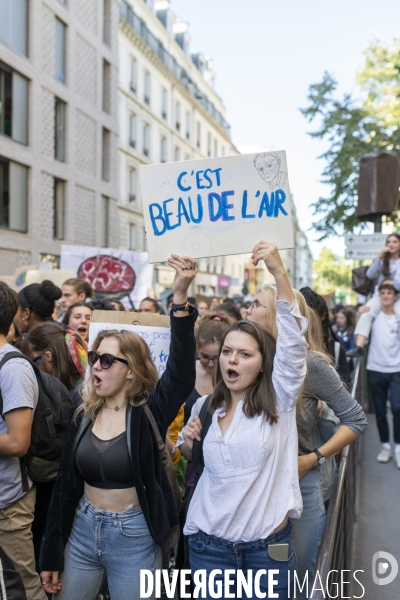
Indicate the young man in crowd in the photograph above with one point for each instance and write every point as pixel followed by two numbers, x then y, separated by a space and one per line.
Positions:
pixel 19 390
pixel 384 371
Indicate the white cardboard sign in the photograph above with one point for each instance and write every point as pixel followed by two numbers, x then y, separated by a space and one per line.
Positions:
pixel 216 206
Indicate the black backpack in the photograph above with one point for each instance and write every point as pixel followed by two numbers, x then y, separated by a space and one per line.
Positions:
pixel 48 426
pixel 11 586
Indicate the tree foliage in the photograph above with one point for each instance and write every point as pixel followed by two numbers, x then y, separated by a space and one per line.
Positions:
pixel 331 273
pixel 354 128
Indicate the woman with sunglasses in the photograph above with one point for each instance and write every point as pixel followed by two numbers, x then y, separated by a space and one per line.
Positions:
pixel 112 506
pixel 238 517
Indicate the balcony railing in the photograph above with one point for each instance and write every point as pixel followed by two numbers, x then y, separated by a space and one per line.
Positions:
pixel 157 47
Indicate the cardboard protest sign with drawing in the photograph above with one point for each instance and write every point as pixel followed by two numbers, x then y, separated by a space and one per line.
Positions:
pixel 154 329
pixel 216 206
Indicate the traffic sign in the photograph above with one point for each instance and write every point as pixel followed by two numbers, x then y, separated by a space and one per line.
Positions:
pixel 364 247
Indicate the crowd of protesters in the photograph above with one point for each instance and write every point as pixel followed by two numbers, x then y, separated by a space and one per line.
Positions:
pixel 253 407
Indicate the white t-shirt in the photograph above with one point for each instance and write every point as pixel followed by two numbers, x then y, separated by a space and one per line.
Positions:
pixel 19 389
pixel 250 480
pixel 384 347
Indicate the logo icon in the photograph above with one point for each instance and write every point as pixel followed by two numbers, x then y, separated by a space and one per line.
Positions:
pixel 380 566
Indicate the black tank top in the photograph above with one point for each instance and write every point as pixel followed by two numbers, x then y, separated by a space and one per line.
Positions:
pixel 104 464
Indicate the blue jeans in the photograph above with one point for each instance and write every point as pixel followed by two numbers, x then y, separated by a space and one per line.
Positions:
pixel 307 531
pixel 384 387
pixel 208 552
pixel 102 543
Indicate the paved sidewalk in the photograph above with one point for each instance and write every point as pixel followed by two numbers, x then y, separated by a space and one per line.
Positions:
pixel 378 516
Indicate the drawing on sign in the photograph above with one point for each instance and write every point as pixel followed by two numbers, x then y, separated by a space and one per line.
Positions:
pixel 268 166
pixel 197 241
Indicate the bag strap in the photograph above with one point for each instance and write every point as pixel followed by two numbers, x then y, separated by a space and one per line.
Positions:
pixel 206 419
pixel 160 443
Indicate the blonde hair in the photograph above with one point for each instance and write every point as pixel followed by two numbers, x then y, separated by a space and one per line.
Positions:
pixel 313 335
pixel 135 350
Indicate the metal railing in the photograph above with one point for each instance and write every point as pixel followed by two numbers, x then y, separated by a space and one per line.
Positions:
pixel 336 544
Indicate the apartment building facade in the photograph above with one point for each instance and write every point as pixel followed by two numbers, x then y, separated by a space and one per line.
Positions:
pixel 58 128
pixel 168 111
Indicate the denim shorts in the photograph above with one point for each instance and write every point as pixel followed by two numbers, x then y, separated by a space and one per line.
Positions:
pixel 208 552
pixel 117 545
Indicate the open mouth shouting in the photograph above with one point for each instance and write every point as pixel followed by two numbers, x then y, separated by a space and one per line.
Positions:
pixel 231 376
pixel 96 381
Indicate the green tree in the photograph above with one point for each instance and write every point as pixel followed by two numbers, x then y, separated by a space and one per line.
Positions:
pixel 354 128
pixel 331 274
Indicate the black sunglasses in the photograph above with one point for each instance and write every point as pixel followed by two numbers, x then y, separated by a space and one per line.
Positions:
pixel 106 360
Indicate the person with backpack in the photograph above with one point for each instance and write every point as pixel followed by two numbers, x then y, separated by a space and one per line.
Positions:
pixel 238 516
pixel 113 510
pixel 385 266
pixel 19 394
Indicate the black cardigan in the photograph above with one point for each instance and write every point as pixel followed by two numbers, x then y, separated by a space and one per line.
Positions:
pixel 152 487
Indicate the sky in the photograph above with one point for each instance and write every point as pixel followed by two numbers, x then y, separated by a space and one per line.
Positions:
pixel 266 54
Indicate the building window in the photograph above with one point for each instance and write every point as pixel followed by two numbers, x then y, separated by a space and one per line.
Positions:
pixel 132 130
pixel 208 144
pixel 107 22
pixel 13 105
pixel 146 139
pixel 198 134
pixel 177 116
pixel 59 130
pixel 106 86
pixel 58 209
pixel 188 126
pixel 215 147
pixel 132 185
pixel 132 237
pixel 104 221
pixel 163 149
pixel 14 24
pixel 177 153
pixel 13 195
pixel 105 163
pixel 60 51
pixel 164 103
pixel 147 87
pixel 133 73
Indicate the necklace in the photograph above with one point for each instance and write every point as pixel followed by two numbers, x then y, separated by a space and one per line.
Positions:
pixel 116 408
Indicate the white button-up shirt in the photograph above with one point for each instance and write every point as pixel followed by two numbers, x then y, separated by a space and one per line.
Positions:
pixel 250 480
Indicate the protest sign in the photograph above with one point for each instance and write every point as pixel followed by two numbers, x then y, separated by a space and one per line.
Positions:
pixel 154 329
pixel 114 274
pixel 216 206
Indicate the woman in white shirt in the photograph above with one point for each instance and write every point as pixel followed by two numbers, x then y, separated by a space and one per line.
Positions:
pixel 238 518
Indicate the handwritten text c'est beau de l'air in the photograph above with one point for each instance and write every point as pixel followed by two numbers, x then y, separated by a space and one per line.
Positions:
pixel 189 207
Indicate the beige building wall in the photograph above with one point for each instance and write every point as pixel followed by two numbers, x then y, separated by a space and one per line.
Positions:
pixel 87 175
pixel 158 96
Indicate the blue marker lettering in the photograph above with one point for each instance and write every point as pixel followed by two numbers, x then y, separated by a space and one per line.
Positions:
pixel 280 198
pixel 199 209
pixel 168 214
pixel 198 180
pixel 244 207
pixel 157 217
pixel 217 172
pixel 179 182
pixel 182 212
pixel 208 178
pixel 225 206
pixel 211 197
pixel 267 205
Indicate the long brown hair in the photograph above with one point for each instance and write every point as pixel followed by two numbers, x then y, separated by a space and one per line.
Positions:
pixel 386 258
pixel 260 398
pixel 80 286
pixel 135 350
pixel 51 337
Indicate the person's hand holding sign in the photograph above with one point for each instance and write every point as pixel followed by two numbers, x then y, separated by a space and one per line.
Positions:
pixel 185 268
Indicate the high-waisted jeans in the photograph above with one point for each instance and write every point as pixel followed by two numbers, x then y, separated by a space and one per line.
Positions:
pixel 208 552
pixel 103 543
